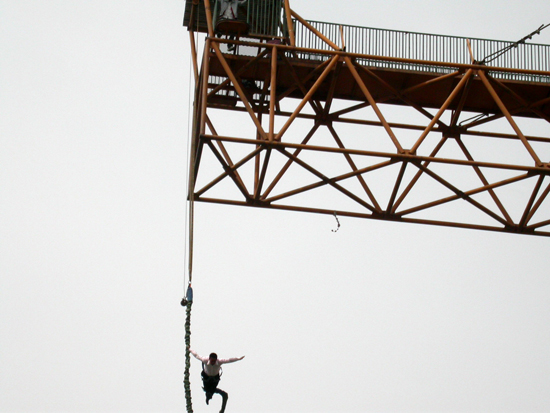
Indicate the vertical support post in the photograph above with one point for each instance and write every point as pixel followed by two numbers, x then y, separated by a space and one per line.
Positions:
pixel 342 37
pixel 194 55
pixel 204 86
pixel 208 10
pixel 288 14
pixel 273 93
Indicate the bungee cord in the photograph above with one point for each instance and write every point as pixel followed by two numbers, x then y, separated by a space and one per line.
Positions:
pixel 187 301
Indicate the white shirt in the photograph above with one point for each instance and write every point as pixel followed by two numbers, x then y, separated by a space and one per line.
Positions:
pixel 229 9
pixel 213 369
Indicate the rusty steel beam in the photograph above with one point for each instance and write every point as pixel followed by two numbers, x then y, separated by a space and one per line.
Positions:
pixel 444 107
pixel 299 83
pixel 398 94
pixel 289 162
pixel 224 152
pixel 315 31
pixel 372 102
pixel 508 116
pixel 321 183
pixel 461 67
pixel 307 97
pixel 239 72
pixel 419 173
pixel 288 15
pixel 530 230
pixel 239 89
pixel 355 169
pixel 273 94
pixel 467 193
pixel 325 179
pixel 485 181
pixel 537 170
pixel 286 78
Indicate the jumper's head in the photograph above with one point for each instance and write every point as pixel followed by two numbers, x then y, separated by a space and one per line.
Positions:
pixel 212 358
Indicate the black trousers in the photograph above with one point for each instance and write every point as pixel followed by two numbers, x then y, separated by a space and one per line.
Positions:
pixel 210 386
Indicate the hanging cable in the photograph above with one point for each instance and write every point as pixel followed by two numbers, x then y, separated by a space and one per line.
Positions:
pixel 187 301
pixel 500 52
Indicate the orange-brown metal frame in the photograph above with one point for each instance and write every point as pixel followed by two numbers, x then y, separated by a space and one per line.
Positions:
pixel 270 139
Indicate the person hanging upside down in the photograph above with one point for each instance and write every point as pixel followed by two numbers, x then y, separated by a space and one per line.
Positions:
pixel 210 374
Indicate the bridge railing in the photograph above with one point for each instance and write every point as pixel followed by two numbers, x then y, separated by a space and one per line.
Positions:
pixel 428 47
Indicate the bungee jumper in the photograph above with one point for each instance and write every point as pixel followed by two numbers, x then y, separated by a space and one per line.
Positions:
pixel 211 373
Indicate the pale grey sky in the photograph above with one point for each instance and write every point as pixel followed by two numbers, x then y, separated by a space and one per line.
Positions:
pixel 377 317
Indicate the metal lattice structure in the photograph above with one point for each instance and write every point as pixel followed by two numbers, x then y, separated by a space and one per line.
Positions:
pixel 371 123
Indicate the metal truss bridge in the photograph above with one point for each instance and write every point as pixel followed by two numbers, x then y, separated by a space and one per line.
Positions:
pixel 318 117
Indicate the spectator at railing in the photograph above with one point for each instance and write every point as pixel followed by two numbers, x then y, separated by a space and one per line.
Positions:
pixel 229 9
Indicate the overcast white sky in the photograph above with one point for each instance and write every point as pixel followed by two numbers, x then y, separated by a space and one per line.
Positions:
pixel 377 317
